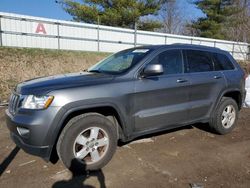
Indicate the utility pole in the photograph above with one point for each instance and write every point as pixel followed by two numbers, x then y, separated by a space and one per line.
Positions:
pixel 98 33
pixel 135 34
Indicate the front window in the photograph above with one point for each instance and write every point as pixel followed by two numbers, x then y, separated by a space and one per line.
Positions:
pixel 121 61
pixel 171 61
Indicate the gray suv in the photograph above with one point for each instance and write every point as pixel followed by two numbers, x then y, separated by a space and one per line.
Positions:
pixel 80 117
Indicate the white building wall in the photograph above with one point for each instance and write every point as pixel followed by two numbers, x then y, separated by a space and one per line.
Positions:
pixel 34 32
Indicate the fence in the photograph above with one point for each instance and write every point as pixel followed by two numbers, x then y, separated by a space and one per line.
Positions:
pixel 34 32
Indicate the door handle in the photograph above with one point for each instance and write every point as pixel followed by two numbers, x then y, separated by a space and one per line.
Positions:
pixel 217 77
pixel 181 80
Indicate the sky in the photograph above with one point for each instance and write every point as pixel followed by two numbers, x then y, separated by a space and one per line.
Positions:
pixel 41 8
pixel 50 9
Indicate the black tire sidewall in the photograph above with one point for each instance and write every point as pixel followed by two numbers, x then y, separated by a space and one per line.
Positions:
pixel 73 129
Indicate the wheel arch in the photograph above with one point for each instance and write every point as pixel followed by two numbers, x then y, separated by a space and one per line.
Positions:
pixel 236 95
pixel 108 110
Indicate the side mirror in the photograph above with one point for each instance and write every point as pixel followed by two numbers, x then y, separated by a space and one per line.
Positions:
pixel 152 70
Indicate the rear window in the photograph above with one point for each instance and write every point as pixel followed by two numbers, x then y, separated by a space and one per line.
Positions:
pixel 222 62
pixel 198 61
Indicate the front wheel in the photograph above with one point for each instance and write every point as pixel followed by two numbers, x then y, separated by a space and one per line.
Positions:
pixel 87 142
pixel 225 117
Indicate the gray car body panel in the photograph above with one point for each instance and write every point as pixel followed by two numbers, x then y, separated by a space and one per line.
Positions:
pixel 144 105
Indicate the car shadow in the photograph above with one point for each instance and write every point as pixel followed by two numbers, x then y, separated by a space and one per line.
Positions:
pixel 79 176
pixel 8 160
pixel 204 127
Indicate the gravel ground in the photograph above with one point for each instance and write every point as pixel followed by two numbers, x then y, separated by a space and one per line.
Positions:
pixel 174 158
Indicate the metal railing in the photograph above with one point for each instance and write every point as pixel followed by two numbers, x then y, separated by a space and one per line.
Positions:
pixel 120 41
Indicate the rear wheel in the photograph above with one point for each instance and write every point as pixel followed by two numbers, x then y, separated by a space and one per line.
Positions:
pixel 87 142
pixel 225 117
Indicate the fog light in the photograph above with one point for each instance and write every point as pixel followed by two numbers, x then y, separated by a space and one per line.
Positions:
pixel 23 132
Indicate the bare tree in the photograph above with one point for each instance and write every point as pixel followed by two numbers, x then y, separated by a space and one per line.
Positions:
pixel 237 27
pixel 171 16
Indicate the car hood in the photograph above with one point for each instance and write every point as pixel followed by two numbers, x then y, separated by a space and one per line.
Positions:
pixel 43 85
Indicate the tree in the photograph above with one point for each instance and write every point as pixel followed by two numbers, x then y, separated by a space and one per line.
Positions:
pixel 237 27
pixel 217 12
pixel 171 17
pixel 122 13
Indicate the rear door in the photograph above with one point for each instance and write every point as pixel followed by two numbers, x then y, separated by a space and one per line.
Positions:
pixel 162 101
pixel 206 83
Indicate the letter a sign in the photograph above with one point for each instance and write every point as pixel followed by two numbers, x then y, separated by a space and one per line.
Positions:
pixel 41 29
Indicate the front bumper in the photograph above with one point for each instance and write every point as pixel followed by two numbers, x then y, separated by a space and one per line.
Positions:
pixel 41 151
pixel 36 139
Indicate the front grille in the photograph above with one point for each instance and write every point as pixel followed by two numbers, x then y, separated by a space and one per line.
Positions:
pixel 13 103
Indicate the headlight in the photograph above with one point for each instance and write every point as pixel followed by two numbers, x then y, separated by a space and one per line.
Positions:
pixel 36 102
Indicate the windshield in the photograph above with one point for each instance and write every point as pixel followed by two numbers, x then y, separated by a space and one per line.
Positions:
pixel 121 61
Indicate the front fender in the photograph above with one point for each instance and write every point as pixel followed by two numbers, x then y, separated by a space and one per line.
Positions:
pixel 73 107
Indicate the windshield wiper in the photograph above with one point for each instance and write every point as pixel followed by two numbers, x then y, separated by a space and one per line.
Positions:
pixel 95 70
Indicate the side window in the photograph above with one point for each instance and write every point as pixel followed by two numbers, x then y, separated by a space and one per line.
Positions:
pixel 221 62
pixel 198 61
pixel 171 60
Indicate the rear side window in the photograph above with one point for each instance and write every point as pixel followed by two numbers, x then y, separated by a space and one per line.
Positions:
pixel 171 60
pixel 222 62
pixel 198 61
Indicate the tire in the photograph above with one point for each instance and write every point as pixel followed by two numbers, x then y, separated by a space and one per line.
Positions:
pixel 77 146
pixel 225 116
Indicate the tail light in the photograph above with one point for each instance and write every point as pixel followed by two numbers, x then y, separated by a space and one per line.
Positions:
pixel 245 73
pixel 245 76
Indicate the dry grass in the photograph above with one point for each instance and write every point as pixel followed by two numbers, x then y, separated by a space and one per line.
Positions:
pixel 17 65
pixel 246 66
